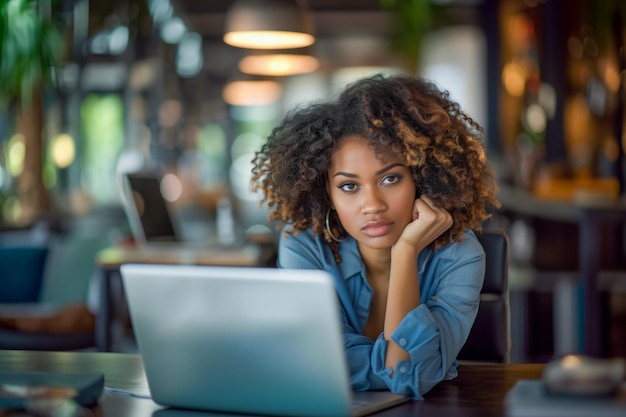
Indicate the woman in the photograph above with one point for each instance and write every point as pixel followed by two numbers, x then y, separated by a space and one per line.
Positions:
pixel 384 188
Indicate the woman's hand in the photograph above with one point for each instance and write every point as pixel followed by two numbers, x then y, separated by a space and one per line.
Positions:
pixel 427 224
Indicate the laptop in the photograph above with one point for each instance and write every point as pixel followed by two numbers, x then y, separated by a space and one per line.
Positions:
pixel 149 214
pixel 247 340
pixel 155 227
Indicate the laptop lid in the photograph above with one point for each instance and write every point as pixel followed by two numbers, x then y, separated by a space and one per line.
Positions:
pixel 147 210
pixel 244 340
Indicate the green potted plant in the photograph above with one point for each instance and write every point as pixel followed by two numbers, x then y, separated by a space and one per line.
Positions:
pixel 413 19
pixel 32 48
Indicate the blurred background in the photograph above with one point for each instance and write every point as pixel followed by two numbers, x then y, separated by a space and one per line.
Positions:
pixel 92 89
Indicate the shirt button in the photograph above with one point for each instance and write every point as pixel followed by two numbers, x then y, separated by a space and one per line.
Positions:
pixel 402 369
pixel 403 342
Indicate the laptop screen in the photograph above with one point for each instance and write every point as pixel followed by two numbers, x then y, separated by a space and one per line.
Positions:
pixel 151 208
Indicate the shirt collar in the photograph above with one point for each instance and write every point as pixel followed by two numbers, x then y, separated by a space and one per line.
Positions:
pixel 351 262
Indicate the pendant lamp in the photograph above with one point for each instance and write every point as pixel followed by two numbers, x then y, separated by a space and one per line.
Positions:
pixel 279 63
pixel 251 92
pixel 269 24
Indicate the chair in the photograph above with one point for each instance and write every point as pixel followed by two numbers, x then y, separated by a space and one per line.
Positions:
pixel 23 292
pixel 21 270
pixel 66 281
pixel 489 340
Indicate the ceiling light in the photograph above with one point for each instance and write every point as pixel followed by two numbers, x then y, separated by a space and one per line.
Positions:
pixel 251 92
pixel 269 24
pixel 278 64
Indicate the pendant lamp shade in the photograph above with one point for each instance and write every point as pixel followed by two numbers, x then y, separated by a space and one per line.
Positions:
pixel 269 24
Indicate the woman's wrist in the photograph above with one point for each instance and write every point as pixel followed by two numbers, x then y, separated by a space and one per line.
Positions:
pixel 405 248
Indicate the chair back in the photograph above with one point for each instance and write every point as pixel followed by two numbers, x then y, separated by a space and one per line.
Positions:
pixel 490 340
pixel 21 272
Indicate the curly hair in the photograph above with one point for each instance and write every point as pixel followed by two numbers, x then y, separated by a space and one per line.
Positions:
pixel 441 145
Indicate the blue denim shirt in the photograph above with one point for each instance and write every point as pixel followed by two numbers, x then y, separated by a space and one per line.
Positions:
pixel 450 281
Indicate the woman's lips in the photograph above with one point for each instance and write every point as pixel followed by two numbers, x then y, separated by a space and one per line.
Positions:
pixel 376 229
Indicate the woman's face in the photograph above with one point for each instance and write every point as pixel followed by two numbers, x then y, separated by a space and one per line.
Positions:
pixel 373 197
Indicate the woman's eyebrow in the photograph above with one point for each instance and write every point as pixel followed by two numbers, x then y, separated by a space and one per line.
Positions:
pixel 380 171
pixel 344 174
pixel 387 168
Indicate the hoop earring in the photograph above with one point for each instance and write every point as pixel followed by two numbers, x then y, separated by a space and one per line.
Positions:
pixel 330 232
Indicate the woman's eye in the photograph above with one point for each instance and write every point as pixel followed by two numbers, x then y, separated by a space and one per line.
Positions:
pixel 391 179
pixel 349 186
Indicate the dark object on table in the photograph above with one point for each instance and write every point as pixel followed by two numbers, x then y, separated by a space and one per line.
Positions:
pixel 578 374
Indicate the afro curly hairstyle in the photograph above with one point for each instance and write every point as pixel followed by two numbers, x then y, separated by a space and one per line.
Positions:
pixel 441 145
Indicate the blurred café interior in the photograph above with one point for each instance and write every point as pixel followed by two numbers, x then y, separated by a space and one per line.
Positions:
pixel 109 87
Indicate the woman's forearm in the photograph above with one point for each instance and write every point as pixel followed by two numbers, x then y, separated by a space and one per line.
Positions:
pixel 403 296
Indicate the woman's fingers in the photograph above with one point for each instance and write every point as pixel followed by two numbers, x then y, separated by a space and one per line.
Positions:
pixel 429 222
pixel 440 216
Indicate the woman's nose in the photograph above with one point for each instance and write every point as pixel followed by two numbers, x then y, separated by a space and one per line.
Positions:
pixel 373 201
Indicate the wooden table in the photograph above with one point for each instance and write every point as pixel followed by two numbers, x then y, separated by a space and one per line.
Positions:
pixel 109 261
pixel 589 220
pixel 479 389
